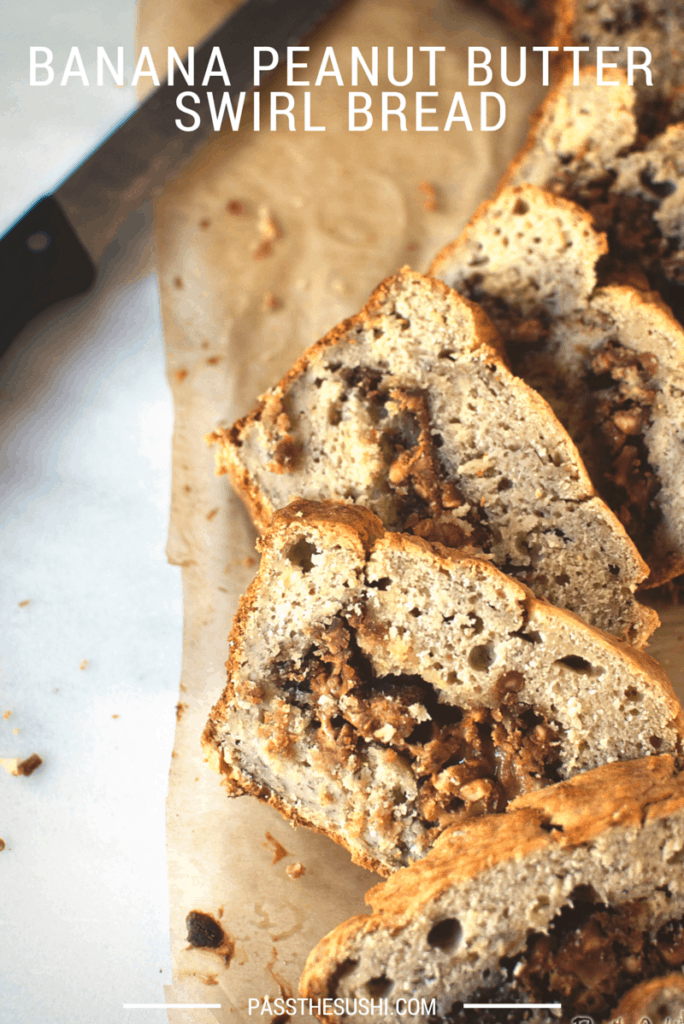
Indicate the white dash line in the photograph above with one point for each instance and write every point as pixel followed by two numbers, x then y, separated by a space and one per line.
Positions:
pixel 172 1006
pixel 512 1006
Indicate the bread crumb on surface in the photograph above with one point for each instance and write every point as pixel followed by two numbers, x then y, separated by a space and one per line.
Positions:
pixel 13 766
pixel 249 561
pixel 180 709
pixel 177 282
pixel 208 979
pixel 204 223
pixel 180 375
pixel 279 850
pixel 116 716
pixel 263 249
pixel 6 715
pixel 212 513
pixel 22 604
pixel 430 193
pixel 269 229
pixel 213 360
pixel 271 302
pixel 235 207
pixel 83 665
pixel 15 731
pixel 295 870
pixel 2 845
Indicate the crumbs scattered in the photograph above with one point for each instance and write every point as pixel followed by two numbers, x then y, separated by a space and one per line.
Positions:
pixel 411 246
pixel 204 345
pixel 204 932
pixel 223 589
pixel 177 282
pixel 235 207
pixel 204 224
pixel 84 665
pixel 180 375
pixel 13 766
pixel 430 193
pixel 208 979
pixel 263 250
pixel 271 302
pixel 270 232
pixel 180 709
pixel 15 731
pixel 295 870
pixel 116 716
pixel 2 845
pixel 249 561
pixel 213 360
pixel 210 515
pixel 279 850
pixel 269 229
pixel 187 488
pixel 7 715
pixel 22 604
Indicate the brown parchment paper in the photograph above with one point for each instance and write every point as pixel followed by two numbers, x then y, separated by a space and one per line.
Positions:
pixel 349 209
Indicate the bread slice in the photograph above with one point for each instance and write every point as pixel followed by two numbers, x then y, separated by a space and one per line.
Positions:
pixel 591 145
pixel 380 688
pixel 410 410
pixel 610 360
pixel 657 25
pixel 659 1001
pixel 570 897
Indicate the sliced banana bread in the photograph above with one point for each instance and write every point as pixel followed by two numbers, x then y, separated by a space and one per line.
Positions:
pixel 409 409
pixel 593 146
pixel 568 898
pixel 610 360
pixel 380 688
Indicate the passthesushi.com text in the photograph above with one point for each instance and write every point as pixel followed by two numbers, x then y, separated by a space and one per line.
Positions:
pixel 325 1007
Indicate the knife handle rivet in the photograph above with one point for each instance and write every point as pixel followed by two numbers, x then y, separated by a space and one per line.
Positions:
pixel 38 241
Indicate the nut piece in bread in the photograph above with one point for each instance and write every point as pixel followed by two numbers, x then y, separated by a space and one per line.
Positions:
pixel 410 410
pixel 570 897
pixel 380 688
pixel 610 360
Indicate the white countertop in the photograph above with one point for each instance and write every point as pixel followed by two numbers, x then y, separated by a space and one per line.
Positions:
pixel 85 421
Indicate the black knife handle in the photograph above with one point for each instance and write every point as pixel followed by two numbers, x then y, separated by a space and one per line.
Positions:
pixel 41 261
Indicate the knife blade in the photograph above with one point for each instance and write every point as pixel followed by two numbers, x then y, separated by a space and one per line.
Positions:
pixel 53 250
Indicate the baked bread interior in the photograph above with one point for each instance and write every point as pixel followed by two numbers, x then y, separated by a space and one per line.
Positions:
pixel 380 688
pixel 409 409
pixel 595 146
pixel 570 897
pixel 610 361
pixel 656 25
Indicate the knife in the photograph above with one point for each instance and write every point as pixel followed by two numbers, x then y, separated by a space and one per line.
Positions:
pixel 52 252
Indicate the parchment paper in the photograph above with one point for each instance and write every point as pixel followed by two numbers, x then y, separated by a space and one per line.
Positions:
pixel 350 208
